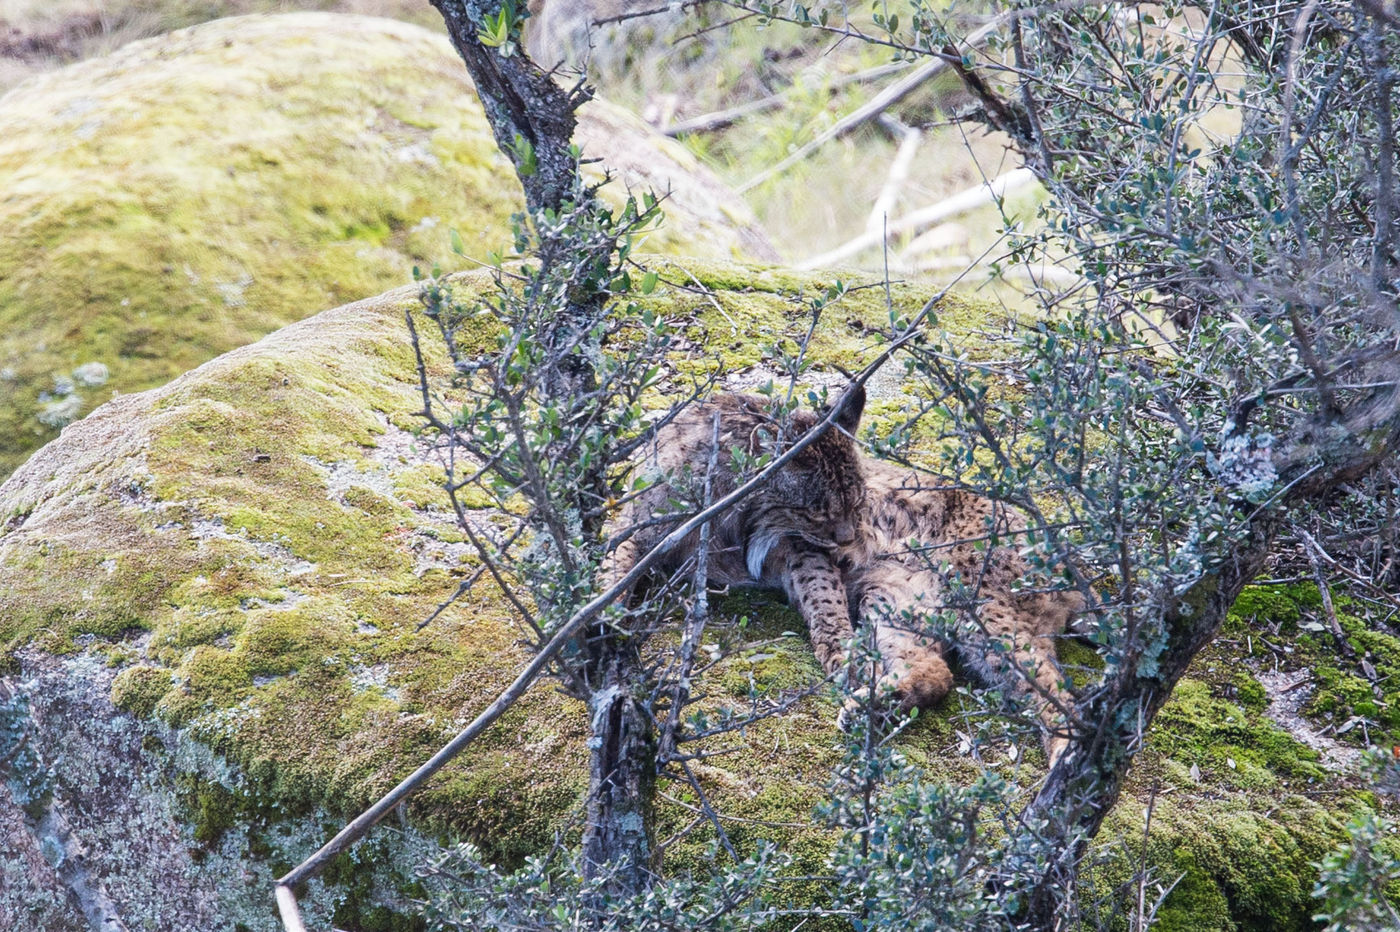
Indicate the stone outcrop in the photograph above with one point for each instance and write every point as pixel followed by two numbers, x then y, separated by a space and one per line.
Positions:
pixel 189 193
pixel 211 596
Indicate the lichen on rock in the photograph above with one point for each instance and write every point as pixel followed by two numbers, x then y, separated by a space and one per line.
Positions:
pixel 248 551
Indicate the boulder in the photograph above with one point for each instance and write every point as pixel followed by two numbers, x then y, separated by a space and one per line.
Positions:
pixel 190 193
pixel 212 593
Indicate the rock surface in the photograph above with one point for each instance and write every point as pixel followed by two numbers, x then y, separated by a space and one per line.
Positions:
pixel 211 595
pixel 188 194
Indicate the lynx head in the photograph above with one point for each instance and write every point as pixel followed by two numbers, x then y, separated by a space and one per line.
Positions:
pixel 818 495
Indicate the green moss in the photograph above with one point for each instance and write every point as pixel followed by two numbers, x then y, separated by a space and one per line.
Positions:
pixel 256 525
pixel 147 231
pixel 1345 694
pixel 1276 606
pixel 353 873
pixel 138 689
pixel 1239 868
pixel 1249 692
pixel 211 808
pixel 1239 747
pixel 372 503
pixel 1077 659
pixel 214 677
pixel 1196 903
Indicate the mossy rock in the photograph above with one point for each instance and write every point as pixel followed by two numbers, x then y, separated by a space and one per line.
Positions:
pixel 240 560
pixel 192 192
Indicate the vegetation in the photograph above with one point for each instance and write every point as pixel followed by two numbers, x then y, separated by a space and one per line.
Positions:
pixel 255 560
pixel 1227 363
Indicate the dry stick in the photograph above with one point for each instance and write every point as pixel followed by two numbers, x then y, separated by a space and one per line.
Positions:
pixel 984 193
pixel 286 899
pixel 894 181
pixel 722 118
pixel 699 614
pixel 1368 582
pixel 1314 548
pixel 878 105
pixel 287 907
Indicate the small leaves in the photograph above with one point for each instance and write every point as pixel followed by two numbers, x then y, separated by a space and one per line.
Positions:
pixel 501 30
pixel 522 153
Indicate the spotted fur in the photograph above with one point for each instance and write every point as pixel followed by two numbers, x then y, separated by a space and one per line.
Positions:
pixel 809 506
pixel 833 530
pixel 1010 622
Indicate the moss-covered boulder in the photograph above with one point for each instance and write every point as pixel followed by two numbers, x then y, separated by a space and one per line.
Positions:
pixel 193 192
pixel 211 598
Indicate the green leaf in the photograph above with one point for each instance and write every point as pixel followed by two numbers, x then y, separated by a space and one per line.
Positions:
pixel 456 239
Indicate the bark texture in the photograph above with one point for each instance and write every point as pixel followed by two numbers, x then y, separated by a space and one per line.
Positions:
pixel 532 118
pixel 617 842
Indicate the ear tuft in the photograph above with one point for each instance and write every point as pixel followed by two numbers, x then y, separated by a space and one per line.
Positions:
pixel 850 407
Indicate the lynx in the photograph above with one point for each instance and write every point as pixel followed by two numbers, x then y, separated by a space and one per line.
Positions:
pixel 833 531
pixel 808 508
pixel 881 585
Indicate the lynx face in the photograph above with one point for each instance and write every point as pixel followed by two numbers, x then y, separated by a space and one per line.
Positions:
pixel 814 500
pixel 817 498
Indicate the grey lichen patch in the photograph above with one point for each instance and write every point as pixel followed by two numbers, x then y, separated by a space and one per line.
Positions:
pixel 158 824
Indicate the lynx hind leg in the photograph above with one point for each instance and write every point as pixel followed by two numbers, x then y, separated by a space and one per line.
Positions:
pixel 817 590
pixel 895 603
pixel 1022 656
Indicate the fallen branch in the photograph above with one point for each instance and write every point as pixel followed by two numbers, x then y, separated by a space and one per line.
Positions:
pixel 985 193
pixel 1315 552
pixel 894 180
pixel 719 119
pixel 878 105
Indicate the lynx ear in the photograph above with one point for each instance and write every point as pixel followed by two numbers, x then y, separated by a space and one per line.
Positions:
pixel 849 408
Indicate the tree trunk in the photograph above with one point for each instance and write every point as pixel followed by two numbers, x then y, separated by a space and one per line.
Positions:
pixel 1085 784
pixel 617 843
pixel 522 102
pixel 532 118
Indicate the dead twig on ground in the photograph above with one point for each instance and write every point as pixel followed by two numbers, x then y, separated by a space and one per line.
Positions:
pixel 987 192
pixel 1314 549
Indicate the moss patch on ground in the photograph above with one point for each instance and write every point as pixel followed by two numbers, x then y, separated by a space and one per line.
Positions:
pixel 1352 690
pixel 193 192
pixel 252 546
